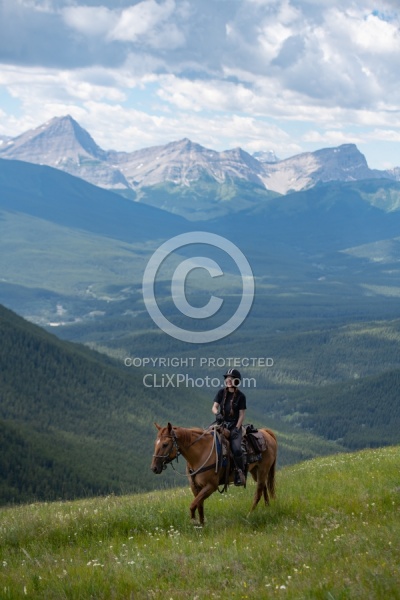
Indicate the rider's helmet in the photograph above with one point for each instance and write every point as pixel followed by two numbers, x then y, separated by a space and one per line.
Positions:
pixel 235 375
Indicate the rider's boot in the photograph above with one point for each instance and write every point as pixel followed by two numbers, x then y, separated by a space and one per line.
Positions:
pixel 240 478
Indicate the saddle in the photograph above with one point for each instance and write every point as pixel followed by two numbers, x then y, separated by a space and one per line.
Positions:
pixel 253 444
pixel 254 440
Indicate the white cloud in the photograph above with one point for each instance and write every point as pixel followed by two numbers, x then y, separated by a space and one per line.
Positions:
pixel 90 20
pixel 332 137
pixel 34 87
pixel 148 19
pixel 206 95
pixel 386 135
pixel 218 72
pixel 364 31
pixel 45 6
pixel 131 129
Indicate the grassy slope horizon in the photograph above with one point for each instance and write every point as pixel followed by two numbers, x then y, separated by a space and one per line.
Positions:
pixel 333 531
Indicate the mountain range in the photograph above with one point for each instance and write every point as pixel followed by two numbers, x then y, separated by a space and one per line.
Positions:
pixel 182 176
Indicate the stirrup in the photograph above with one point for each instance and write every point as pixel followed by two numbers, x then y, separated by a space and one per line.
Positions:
pixel 239 479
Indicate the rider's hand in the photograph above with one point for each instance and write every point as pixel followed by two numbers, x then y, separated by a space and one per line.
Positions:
pixel 219 418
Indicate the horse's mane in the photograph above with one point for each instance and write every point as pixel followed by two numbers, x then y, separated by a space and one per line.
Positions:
pixel 185 433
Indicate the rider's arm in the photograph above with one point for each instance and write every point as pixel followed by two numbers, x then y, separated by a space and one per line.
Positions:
pixel 241 418
pixel 215 408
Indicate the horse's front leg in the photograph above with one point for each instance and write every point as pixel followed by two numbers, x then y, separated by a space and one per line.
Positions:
pixel 195 491
pixel 198 502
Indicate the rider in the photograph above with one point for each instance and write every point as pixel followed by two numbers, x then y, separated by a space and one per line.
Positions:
pixel 230 407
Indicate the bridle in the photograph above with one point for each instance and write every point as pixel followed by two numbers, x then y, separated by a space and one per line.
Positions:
pixel 167 459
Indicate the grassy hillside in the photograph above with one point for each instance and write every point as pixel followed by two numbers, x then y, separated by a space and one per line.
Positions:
pixel 332 533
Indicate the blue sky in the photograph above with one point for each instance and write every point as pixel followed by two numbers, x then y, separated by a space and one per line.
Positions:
pixel 282 75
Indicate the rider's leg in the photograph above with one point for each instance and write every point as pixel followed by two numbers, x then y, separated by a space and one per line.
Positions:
pixel 236 446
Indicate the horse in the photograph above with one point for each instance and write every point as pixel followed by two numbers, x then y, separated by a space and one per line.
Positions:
pixel 204 468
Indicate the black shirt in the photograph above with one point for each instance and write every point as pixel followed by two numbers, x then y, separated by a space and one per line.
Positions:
pixel 225 406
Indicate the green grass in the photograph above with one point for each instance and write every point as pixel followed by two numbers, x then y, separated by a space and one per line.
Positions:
pixel 332 533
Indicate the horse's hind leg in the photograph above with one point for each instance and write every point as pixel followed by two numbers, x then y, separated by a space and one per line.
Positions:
pixel 260 474
pixel 257 495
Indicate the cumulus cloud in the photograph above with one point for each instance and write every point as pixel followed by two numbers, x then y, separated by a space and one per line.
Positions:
pixel 333 55
pixel 90 20
pixel 136 22
pixel 333 63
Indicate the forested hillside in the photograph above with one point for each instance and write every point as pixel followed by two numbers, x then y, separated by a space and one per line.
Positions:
pixel 360 414
pixel 74 422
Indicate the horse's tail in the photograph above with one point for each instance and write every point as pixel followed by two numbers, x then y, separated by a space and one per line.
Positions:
pixel 271 472
pixel 271 480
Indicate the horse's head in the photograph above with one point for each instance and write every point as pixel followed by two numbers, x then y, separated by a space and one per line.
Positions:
pixel 165 448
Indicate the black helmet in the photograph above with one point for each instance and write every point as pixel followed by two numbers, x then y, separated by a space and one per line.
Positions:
pixel 234 374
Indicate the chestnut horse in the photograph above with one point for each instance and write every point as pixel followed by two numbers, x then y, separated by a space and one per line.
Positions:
pixel 203 465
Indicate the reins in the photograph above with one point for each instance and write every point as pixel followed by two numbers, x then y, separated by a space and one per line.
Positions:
pixel 213 445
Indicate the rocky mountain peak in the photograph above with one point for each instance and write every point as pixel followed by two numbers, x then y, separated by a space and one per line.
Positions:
pixel 58 141
pixel 345 162
pixel 342 163
pixel 186 146
pixel 66 127
pixel 238 155
pixel 266 156
pixel 64 144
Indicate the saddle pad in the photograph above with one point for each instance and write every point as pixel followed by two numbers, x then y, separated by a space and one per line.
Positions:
pixel 221 447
